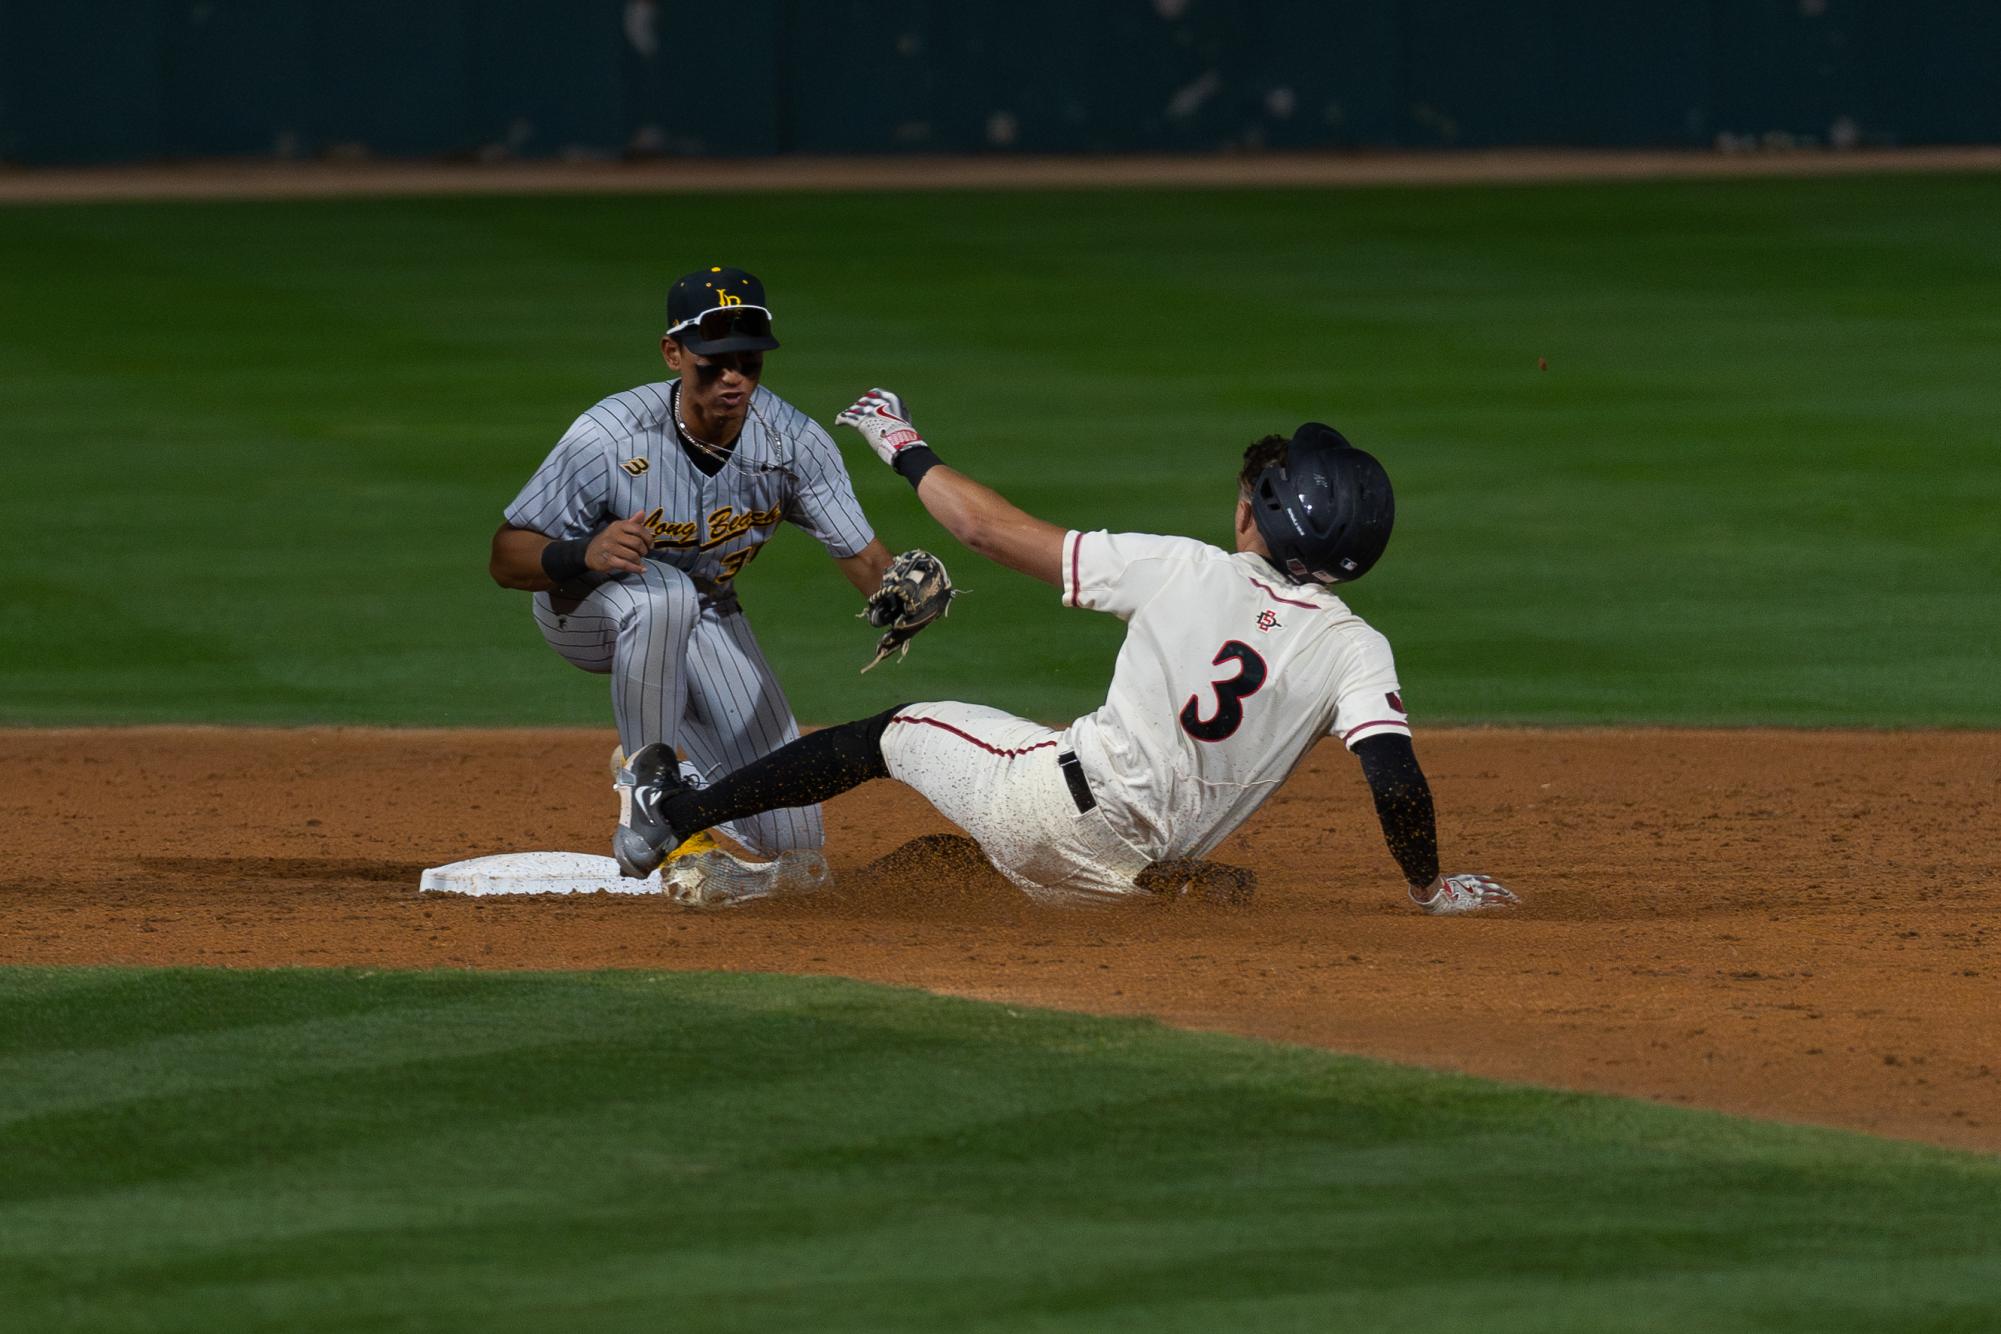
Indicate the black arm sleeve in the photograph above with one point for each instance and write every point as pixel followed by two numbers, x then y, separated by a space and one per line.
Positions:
pixel 1403 804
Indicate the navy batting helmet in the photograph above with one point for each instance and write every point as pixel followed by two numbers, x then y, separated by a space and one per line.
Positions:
pixel 1325 510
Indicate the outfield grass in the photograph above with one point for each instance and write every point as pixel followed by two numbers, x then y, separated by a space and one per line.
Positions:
pixel 197 1150
pixel 254 450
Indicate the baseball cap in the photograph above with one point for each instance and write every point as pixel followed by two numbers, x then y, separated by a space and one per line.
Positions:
pixel 719 310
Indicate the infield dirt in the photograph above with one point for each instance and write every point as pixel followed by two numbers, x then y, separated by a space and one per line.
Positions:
pixel 1795 925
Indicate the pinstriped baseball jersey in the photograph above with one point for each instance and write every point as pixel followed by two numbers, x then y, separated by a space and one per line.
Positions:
pixel 684 666
pixel 622 457
pixel 1228 675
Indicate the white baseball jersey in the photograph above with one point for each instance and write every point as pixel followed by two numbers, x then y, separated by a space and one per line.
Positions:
pixel 1228 676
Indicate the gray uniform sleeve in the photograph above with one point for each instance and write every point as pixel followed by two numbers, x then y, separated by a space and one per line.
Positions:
pixel 566 496
pixel 824 504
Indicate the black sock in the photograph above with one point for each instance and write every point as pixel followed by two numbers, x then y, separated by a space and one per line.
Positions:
pixel 823 764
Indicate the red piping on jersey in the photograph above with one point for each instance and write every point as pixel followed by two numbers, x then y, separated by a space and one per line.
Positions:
pixel 1273 595
pixel 1076 584
pixel 1359 727
pixel 963 736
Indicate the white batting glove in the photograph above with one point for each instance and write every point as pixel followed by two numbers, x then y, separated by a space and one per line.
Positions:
pixel 1450 895
pixel 880 416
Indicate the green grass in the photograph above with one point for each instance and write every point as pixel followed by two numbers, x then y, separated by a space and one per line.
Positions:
pixel 254 451
pixel 203 1150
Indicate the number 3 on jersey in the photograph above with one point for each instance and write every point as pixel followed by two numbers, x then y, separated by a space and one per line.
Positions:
pixel 736 560
pixel 1230 694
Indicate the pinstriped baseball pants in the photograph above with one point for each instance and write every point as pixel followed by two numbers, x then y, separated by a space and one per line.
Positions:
pixel 689 676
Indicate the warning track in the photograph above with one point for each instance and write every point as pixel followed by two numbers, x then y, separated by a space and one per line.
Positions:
pixel 314 180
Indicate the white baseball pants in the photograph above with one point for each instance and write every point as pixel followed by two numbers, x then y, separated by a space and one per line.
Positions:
pixel 996 777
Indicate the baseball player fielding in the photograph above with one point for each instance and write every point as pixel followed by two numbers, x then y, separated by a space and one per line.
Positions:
pixel 632 532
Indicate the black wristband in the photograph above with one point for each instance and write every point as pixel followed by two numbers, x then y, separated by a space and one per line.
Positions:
pixel 914 462
pixel 564 561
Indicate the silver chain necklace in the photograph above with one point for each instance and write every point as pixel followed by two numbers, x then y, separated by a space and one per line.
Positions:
pixel 720 453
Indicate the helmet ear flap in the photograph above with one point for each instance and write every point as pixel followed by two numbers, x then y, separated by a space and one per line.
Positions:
pixel 1268 509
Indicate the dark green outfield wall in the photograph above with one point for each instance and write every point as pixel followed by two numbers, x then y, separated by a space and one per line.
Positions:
pixel 122 80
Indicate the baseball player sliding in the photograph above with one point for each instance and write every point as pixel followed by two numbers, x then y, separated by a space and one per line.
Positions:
pixel 1234 665
pixel 633 530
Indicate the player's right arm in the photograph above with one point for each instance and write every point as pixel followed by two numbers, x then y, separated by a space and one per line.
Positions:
pixel 567 494
pixel 528 559
pixel 979 516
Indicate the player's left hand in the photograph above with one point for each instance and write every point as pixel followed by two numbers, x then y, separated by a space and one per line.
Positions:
pixel 884 422
pixel 1450 895
pixel 915 592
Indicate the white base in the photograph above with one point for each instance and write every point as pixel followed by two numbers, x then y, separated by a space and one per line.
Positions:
pixel 535 873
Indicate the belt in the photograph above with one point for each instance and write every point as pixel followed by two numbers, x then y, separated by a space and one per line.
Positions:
pixel 719 597
pixel 1073 774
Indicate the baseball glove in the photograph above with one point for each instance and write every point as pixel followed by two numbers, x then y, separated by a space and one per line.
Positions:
pixel 915 591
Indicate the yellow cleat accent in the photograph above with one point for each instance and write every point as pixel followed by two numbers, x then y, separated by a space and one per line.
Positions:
pixel 694 845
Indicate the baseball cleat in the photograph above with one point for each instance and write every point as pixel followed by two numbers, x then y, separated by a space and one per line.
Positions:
pixel 643 836
pixel 689 846
pixel 716 879
pixel 1451 895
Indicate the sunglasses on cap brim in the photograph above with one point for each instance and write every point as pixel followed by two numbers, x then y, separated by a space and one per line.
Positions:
pixel 727 322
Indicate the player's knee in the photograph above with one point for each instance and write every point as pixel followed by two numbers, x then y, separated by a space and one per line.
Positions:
pixel 662 595
pixel 873 728
pixel 857 746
